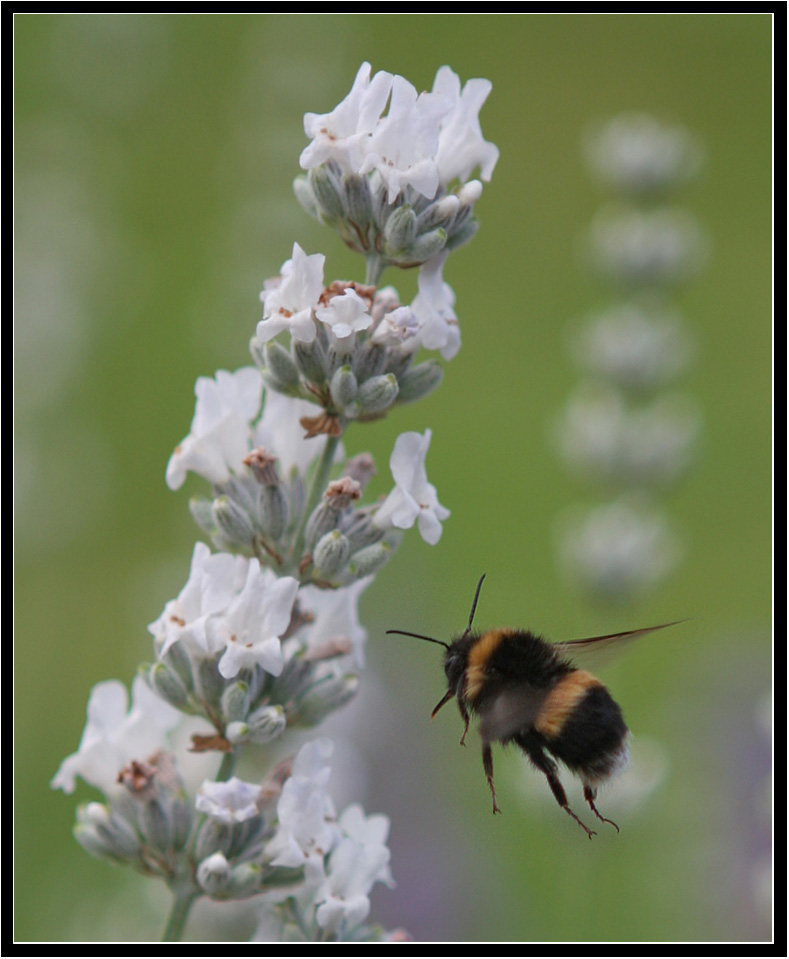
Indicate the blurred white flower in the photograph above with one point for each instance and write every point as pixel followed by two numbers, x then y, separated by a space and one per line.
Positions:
pixel 228 802
pixel 219 437
pixel 345 315
pixel 638 153
pixel 433 307
pixel 250 628
pixel 341 136
pixel 305 813
pixel 638 247
pixel 637 345
pixel 619 549
pixel 289 303
pixel 280 432
pixel 599 434
pixel 115 734
pixel 413 499
pixel 461 146
pixel 357 862
pixel 214 579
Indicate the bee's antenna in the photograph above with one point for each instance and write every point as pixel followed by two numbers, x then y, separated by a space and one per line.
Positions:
pixel 474 605
pixel 429 639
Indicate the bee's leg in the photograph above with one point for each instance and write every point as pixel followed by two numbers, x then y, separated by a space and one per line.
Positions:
pixel 548 767
pixel 466 720
pixel 487 762
pixel 590 794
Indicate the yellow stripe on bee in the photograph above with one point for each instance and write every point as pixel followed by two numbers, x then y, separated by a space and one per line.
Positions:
pixel 478 659
pixel 562 700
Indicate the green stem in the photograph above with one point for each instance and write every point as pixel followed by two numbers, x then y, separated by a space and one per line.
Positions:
pixel 226 767
pixel 375 266
pixel 319 483
pixel 176 922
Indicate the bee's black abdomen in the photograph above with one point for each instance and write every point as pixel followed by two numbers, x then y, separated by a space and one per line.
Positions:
pixel 592 739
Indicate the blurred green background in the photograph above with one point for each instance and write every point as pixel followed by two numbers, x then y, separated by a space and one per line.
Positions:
pixel 154 157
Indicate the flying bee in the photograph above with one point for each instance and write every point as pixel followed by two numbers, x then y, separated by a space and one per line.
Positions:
pixel 526 690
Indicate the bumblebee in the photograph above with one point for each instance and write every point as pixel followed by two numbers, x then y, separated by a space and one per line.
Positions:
pixel 526 690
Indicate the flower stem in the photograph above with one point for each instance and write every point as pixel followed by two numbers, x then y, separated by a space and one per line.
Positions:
pixel 226 767
pixel 319 482
pixel 176 922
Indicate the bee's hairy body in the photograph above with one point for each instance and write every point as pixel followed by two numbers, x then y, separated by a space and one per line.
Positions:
pixel 524 691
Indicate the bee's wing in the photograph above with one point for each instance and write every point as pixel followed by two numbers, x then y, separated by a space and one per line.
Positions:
pixel 600 647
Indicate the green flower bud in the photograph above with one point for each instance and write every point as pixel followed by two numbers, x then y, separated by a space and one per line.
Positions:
pixel 201 509
pixel 166 684
pixel 213 875
pixel 273 510
pixel 400 230
pixel 358 202
pixel 306 197
pixel 370 559
pixel 212 837
pixel 343 387
pixel 105 835
pixel 419 381
pixel 234 526
pixel 377 394
pixel 426 246
pixel 368 360
pixel 154 824
pixel 235 701
pixel 331 553
pixel 281 372
pixel 257 350
pixel 266 724
pixel 244 880
pixel 311 362
pixel 326 193
pixel 325 698
pixel 208 681
pixel 439 213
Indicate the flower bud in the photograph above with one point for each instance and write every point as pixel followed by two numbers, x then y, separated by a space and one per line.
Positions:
pixel 213 875
pixel 368 360
pixel 370 559
pixel 266 724
pixel 235 701
pixel 281 372
pixel 244 880
pixel 419 381
pixel 325 698
pixel 326 193
pixel 201 509
pixel 212 837
pixel 331 553
pixel 358 201
pixel 377 394
pixel 306 197
pixel 233 524
pixel 166 684
pixel 310 360
pixel 343 387
pixel 439 213
pixel 400 230
pixel 104 834
pixel 426 246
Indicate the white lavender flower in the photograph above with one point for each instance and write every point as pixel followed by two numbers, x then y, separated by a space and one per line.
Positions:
pixel 413 499
pixel 231 802
pixel 219 437
pixel 637 153
pixel 116 734
pixel 619 549
pixel 433 307
pixel 288 303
